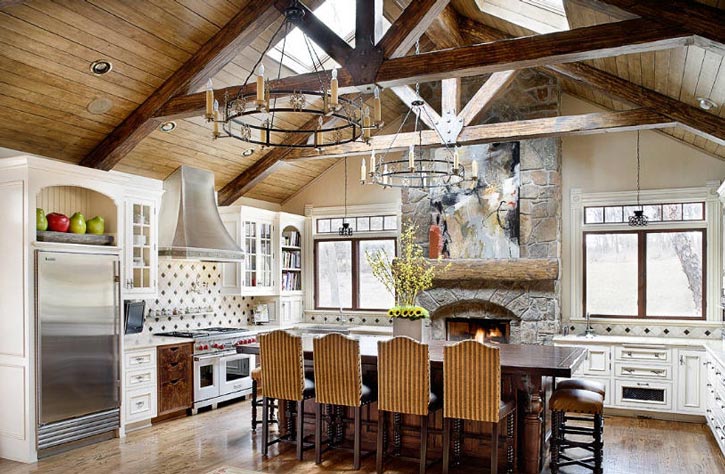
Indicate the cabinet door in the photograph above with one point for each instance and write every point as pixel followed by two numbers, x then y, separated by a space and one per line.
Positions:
pixel 690 381
pixel 232 272
pixel 259 269
pixel 597 361
pixel 141 248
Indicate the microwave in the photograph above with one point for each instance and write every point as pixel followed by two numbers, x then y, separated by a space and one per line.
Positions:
pixel 134 316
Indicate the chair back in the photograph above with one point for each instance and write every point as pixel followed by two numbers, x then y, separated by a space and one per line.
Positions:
pixel 338 370
pixel 281 357
pixel 403 376
pixel 471 381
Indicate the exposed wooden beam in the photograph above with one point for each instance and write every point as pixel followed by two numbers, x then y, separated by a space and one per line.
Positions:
pixel 410 26
pixel 239 33
pixel 443 31
pixel 695 120
pixel 475 269
pixel 451 96
pixel 263 167
pixel 320 33
pixel 703 21
pixel 611 39
pixel 428 114
pixel 484 96
pixel 368 21
pixel 585 124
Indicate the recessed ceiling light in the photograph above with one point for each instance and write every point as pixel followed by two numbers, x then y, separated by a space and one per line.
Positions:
pixel 167 126
pixel 101 67
pixel 248 152
pixel 99 106
pixel 706 104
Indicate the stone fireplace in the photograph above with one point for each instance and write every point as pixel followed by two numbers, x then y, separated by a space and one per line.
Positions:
pixel 480 329
pixel 505 289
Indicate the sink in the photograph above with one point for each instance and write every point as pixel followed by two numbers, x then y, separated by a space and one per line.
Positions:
pixel 325 329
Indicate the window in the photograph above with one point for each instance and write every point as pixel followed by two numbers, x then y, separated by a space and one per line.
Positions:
pixel 619 214
pixel 382 223
pixel 653 273
pixel 343 278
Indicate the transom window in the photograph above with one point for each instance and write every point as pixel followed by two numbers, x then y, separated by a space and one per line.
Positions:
pixel 383 223
pixel 619 214
pixel 343 278
pixel 652 273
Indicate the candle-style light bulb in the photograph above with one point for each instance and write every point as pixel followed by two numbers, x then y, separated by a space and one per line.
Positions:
pixel 377 107
pixel 209 100
pixel 334 100
pixel 372 162
pixel 474 169
pixel 319 136
pixel 264 133
pixel 366 123
pixel 385 175
pixel 456 159
pixel 215 117
pixel 363 171
pixel 411 157
pixel 260 84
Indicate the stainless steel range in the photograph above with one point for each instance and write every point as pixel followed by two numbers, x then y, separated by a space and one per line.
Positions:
pixel 220 373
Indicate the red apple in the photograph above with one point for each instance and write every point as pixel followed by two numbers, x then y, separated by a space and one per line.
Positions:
pixel 58 222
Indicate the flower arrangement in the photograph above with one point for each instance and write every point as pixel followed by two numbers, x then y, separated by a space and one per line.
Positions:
pixel 405 276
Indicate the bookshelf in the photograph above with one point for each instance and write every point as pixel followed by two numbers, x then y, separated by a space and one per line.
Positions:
pixel 291 259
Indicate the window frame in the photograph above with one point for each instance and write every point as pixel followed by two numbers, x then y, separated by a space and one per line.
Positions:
pixel 642 273
pixel 355 244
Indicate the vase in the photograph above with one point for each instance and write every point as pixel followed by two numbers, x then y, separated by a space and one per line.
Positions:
pixel 418 329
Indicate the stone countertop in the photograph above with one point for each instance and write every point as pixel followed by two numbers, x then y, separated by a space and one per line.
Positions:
pixel 369 330
pixel 664 341
pixel 145 341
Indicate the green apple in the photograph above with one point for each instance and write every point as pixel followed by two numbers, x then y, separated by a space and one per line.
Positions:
pixel 41 223
pixel 96 225
pixel 77 223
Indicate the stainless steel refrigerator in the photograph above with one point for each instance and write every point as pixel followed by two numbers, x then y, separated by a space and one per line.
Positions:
pixel 78 343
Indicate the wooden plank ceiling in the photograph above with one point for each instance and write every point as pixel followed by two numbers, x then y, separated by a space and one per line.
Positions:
pixel 46 48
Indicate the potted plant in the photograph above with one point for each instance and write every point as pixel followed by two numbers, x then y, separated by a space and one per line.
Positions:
pixel 405 277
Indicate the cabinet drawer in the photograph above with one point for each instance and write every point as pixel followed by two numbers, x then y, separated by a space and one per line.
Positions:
pixel 168 355
pixel 140 378
pixel 657 372
pixel 643 394
pixel 140 404
pixel 651 353
pixel 175 370
pixel 140 359
pixel 174 396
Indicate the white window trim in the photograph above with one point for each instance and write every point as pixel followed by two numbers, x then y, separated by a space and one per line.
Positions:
pixel 712 224
pixel 311 215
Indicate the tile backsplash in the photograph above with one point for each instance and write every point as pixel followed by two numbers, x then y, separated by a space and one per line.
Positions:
pixel 189 297
pixel 645 330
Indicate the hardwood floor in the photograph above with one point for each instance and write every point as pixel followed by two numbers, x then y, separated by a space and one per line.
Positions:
pixel 213 439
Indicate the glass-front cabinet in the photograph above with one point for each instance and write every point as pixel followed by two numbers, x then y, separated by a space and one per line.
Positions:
pixel 141 248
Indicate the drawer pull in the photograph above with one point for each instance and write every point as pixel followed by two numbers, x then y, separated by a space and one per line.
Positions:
pixel 140 404
pixel 657 371
pixel 139 359
pixel 642 384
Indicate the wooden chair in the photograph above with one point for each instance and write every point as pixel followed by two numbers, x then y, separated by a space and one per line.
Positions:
pixel 257 394
pixel 283 378
pixel 581 402
pixel 404 387
pixel 472 391
pixel 339 382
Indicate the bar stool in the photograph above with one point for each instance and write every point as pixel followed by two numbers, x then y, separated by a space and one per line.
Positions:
pixel 565 401
pixel 583 384
pixel 283 378
pixel 257 399
pixel 404 387
pixel 339 382
pixel 472 391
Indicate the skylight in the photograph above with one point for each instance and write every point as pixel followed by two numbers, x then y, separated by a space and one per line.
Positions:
pixel 339 16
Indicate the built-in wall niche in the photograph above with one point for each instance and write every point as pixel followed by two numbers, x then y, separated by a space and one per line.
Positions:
pixel 71 199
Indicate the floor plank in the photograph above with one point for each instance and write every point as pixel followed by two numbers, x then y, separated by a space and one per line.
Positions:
pixel 222 437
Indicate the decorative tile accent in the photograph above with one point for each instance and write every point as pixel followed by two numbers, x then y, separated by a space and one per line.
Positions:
pixel 648 331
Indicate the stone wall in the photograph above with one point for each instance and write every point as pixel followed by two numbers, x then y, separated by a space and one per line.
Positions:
pixel 535 306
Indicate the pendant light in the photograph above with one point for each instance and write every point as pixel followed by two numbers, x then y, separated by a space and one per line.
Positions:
pixel 638 219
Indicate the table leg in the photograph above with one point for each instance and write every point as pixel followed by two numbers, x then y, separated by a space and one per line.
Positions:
pixel 533 425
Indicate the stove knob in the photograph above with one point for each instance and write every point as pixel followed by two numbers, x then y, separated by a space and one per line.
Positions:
pixel 206 347
pixel 221 346
pixel 200 347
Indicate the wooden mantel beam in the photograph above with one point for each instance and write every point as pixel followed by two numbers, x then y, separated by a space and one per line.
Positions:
pixel 584 124
pixel 242 29
pixel 515 269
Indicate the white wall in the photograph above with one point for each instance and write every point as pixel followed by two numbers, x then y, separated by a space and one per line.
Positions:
pixel 328 189
pixel 607 162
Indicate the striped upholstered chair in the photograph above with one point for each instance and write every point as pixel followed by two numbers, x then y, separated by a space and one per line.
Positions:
pixel 404 388
pixel 339 382
pixel 283 378
pixel 472 391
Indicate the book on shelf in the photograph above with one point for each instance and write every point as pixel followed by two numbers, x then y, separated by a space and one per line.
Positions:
pixel 291 259
pixel 291 239
pixel 291 281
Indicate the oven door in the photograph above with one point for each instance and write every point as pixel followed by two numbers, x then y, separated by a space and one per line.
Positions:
pixel 206 377
pixel 236 373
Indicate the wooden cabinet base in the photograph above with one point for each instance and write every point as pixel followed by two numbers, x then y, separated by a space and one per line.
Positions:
pixel 175 380
pixel 170 416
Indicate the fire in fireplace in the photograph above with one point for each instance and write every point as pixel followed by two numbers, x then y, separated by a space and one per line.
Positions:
pixel 481 329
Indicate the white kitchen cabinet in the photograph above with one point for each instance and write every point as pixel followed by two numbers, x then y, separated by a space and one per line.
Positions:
pixel 141 250
pixel 690 381
pixel 597 362
pixel 140 388
pixel 291 309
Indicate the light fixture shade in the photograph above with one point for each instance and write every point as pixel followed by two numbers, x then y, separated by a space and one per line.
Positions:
pixel 638 219
pixel 345 230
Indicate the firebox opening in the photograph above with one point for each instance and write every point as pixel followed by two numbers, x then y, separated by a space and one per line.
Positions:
pixel 480 329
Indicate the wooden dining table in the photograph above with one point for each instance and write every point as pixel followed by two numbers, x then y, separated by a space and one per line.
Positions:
pixel 529 370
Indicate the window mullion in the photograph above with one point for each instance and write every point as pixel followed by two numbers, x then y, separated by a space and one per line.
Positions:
pixel 355 274
pixel 642 274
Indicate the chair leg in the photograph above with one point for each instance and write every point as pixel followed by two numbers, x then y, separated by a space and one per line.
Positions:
pixel 598 447
pixel 318 433
pixel 255 403
pixel 265 426
pixel 510 440
pixel 300 427
pixel 423 443
pixel 554 441
pixel 380 452
pixel 358 435
pixel 494 448
pixel 446 444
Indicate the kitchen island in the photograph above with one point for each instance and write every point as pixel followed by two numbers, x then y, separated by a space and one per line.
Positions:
pixel 528 372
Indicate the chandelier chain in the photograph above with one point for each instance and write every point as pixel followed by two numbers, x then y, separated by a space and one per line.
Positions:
pixel 254 68
pixel 638 168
